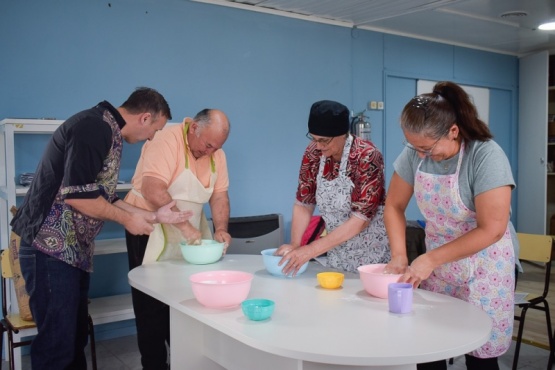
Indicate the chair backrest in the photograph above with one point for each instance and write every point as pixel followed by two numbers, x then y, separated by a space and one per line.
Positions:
pixel 7 272
pixel 535 247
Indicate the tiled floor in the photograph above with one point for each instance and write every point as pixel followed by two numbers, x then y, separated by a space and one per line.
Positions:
pixel 113 354
pixel 122 354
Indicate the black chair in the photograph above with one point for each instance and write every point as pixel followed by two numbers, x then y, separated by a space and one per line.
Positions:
pixel 537 249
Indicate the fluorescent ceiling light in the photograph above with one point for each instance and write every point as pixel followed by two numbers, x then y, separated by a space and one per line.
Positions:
pixel 550 26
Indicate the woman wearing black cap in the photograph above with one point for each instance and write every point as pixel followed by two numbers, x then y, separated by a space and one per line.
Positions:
pixel 343 176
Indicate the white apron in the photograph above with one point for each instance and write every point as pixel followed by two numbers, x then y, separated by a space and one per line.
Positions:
pixel 485 279
pixel 333 198
pixel 189 194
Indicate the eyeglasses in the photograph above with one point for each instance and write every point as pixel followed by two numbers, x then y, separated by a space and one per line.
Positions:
pixel 322 142
pixel 427 152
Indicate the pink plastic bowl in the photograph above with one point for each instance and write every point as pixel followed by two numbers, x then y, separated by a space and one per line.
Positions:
pixel 375 282
pixel 221 289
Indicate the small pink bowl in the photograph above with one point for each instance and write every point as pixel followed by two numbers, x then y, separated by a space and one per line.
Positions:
pixel 375 282
pixel 222 288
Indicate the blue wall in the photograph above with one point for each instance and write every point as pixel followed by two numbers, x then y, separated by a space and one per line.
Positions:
pixel 264 71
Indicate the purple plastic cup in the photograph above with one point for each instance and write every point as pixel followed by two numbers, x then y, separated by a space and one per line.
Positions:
pixel 400 297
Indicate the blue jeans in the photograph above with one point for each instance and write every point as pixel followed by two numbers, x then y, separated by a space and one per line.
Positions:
pixel 58 301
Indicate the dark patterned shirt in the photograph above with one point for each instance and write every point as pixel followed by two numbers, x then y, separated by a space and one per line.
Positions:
pixel 365 169
pixel 81 160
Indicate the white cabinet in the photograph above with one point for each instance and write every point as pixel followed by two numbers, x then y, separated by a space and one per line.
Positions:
pixel 8 192
pixel 103 310
pixel 550 191
pixel 9 188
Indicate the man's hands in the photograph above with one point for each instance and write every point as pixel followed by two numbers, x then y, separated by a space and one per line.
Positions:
pixel 140 222
pixel 165 215
pixel 223 236
pixel 192 235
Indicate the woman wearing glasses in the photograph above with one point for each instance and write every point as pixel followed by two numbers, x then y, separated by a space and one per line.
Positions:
pixel 462 183
pixel 343 176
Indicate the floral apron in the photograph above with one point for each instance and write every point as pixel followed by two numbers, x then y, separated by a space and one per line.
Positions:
pixel 333 198
pixel 485 279
pixel 190 194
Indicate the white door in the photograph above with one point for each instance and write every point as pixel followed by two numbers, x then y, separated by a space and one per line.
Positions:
pixel 399 91
pixel 532 144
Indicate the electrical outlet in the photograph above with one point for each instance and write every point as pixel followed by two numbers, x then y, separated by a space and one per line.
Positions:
pixel 380 105
pixel 373 105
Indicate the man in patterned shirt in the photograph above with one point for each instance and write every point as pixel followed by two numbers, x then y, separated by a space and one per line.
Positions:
pixel 72 194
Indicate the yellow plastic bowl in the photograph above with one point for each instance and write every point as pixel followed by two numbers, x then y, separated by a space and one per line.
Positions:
pixel 330 280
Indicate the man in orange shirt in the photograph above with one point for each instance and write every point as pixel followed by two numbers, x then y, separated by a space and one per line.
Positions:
pixel 184 163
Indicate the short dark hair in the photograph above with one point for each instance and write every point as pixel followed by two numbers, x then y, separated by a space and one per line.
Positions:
pixel 146 99
pixel 203 117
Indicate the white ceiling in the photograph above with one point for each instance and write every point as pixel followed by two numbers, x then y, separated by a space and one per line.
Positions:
pixel 472 23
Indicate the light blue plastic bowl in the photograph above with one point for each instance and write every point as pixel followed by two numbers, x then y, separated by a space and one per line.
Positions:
pixel 271 263
pixel 258 309
pixel 209 251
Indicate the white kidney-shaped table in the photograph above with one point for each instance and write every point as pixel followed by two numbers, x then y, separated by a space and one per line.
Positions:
pixel 312 328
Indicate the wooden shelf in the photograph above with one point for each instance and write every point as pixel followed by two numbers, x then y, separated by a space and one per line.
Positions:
pixel 103 310
pixel 109 309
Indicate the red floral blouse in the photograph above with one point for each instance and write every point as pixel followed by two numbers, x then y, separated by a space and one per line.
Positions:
pixel 365 169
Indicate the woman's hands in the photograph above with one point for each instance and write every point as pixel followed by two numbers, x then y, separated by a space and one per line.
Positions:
pixel 420 269
pixel 397 265
pixel 284 249
pixel 293 257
